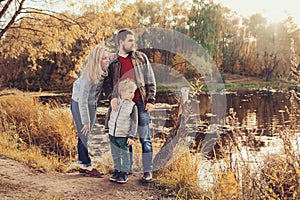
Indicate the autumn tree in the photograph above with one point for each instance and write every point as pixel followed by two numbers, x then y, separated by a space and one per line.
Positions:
pixel 47 53
pixel 272 46
pixel 166 14
pixel 207 24
pixel 232 42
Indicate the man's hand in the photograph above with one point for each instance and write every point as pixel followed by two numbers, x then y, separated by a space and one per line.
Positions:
pixel 114 103
pixel 130 142
pixel 86 129
pixel 149 107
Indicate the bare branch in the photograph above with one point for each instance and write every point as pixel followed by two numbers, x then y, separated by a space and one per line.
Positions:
pixel 41 13
pixel 5 7
pixel 51 14
pixel 12 20
pixel 19 10
pixel 26 17
pixel 30 29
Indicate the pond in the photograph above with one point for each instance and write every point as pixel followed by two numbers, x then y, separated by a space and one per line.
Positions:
pixel 255 109
pixel 260 109
pixel 260 113
pixel 261 116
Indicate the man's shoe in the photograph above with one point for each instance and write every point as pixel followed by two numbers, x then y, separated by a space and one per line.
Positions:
pixel 123 178
pixel 115 176
pixel 147 177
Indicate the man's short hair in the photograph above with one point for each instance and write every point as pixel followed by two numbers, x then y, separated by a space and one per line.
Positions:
pixel 122 34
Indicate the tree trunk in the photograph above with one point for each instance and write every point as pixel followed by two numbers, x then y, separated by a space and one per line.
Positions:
pixel 165 154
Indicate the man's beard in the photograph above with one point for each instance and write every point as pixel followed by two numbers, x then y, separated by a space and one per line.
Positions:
pixel 126 50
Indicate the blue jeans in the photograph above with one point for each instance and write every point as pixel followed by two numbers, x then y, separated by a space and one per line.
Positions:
pixel 145 138
pixel 82 144
pixel 120 153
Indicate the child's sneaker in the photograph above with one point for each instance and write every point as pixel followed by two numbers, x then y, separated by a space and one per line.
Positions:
pixel 147 177
pixel 123 178
pixel 115 176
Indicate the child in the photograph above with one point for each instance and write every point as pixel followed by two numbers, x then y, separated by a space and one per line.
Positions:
pixel 121 127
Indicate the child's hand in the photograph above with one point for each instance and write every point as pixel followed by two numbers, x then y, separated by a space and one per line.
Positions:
pixel 112 56
pixel 107 137
pixel 130 142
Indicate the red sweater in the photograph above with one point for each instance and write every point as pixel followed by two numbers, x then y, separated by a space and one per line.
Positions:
pixel 127 71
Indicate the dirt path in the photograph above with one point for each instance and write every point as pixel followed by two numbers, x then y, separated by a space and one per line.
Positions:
pixel 17 181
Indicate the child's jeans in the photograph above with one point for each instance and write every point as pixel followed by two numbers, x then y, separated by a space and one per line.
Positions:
pixel 120 153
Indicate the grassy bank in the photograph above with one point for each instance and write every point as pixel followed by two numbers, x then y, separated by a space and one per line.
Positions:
pixel 231 82
pixel 275 176
pixel 235 81
pixel 41 135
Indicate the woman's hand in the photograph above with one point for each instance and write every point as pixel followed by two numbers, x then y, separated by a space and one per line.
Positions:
pixel 114 103
pixel 86 129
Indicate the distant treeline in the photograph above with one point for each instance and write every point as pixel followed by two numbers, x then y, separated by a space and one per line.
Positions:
pixel 44 50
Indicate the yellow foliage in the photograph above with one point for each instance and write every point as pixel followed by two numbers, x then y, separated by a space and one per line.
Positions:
pixel 226 185
pixel 282 177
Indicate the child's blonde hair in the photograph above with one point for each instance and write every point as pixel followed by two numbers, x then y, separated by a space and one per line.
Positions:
pixel 127 84
pixel 92 64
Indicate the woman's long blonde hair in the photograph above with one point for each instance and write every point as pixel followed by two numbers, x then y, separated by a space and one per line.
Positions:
pixel 93 62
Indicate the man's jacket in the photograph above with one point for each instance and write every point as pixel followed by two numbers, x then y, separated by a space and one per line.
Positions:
pixel 144 76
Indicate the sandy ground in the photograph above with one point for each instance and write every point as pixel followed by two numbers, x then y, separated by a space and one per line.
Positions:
pixel 18 181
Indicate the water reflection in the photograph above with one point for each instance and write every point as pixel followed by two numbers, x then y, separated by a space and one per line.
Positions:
pixel 255 109
pixel 260 116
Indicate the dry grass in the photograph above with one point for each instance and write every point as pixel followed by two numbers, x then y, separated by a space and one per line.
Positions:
pixel 281 173
pixel 34 130
pixel 180 178
pixel 11 146
pixel 274 176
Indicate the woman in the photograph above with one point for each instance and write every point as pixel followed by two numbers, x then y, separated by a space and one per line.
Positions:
pixel 86 90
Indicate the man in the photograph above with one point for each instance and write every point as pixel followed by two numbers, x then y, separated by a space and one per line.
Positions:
pixel 136 66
